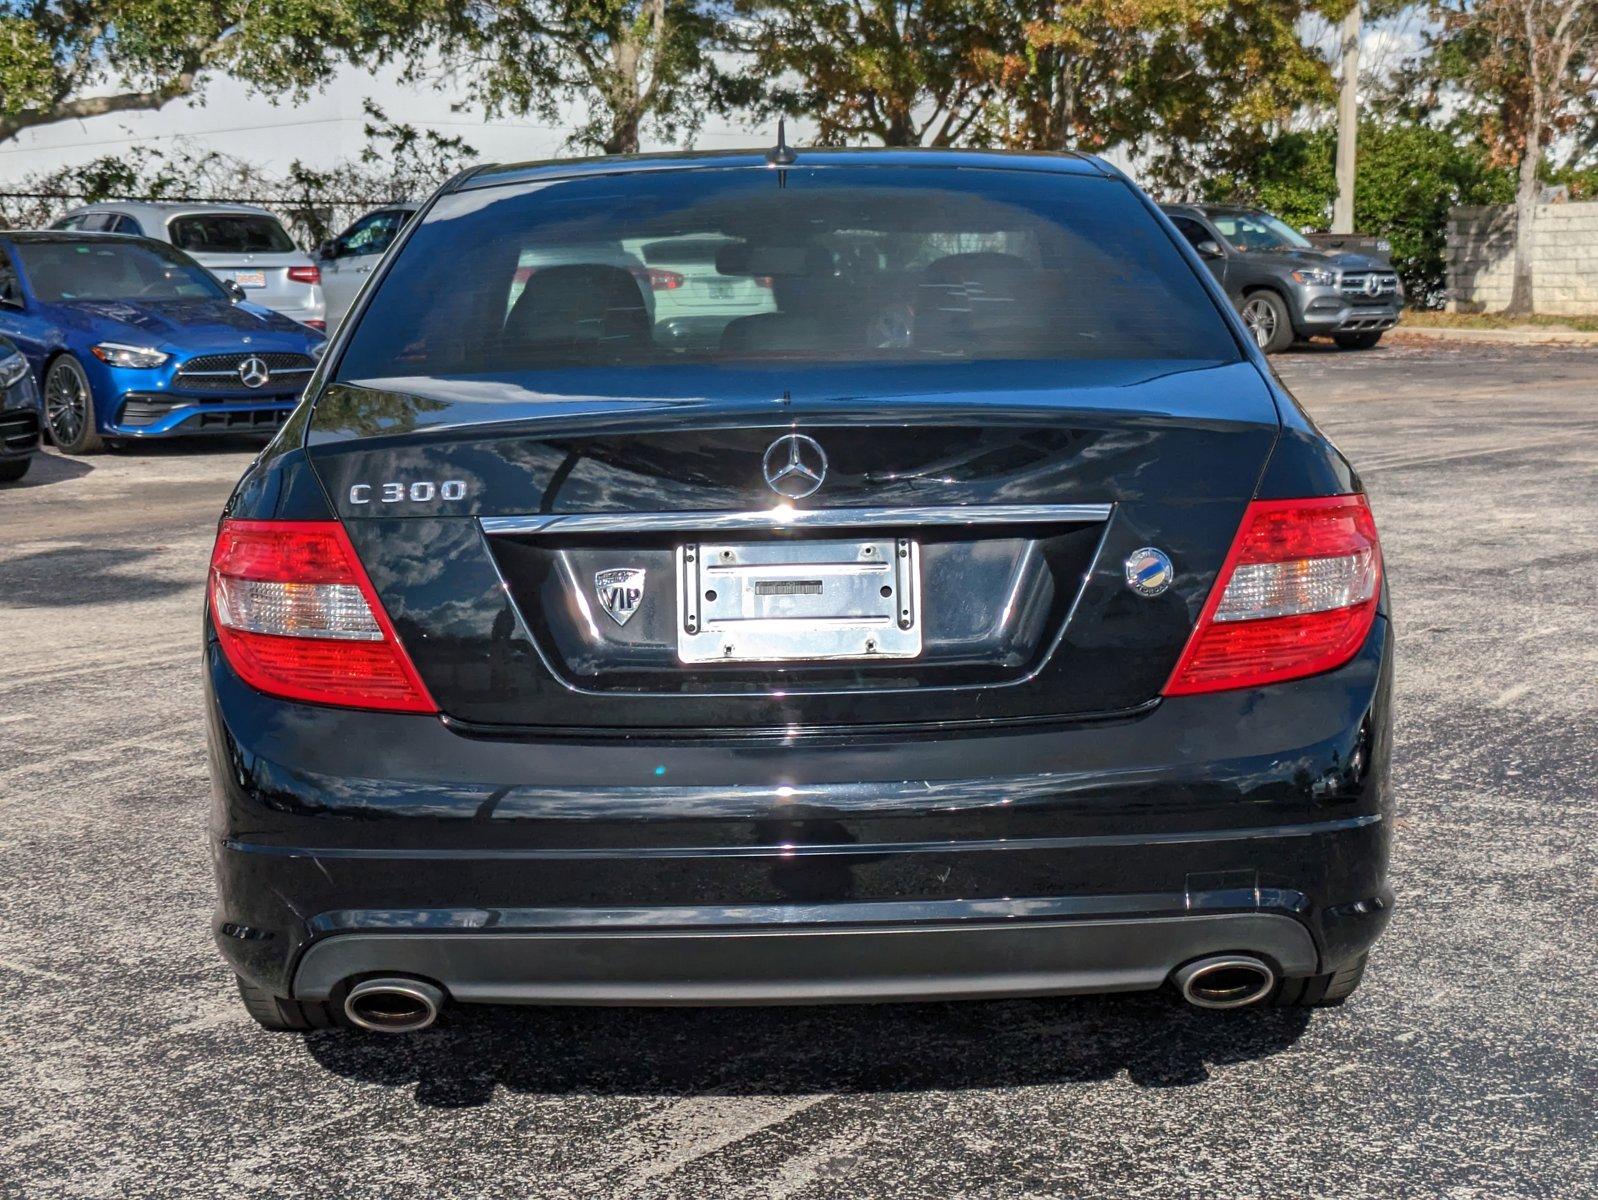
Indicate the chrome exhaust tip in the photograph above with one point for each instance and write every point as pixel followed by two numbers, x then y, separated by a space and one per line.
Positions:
pixel 393 1005
pixel 1225 981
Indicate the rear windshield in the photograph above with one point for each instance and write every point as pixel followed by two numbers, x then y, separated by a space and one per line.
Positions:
pixel 228 233
pixel 107 269
pixel 824 266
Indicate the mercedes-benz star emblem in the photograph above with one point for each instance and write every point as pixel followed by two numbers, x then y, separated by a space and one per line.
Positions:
pixel 794 465
pixel 1148 571
pixel 1373 284
pixel 253 372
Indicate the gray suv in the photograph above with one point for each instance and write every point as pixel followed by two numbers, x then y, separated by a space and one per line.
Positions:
pixel 1284 287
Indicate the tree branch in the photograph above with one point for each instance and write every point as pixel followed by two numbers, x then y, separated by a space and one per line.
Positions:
pixel 84 107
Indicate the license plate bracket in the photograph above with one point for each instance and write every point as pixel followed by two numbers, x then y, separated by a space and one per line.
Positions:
pixel 798 601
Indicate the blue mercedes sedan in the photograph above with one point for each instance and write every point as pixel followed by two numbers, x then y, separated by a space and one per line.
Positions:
pixel 129 339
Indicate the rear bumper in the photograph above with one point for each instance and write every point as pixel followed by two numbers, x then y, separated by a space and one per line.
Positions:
pixel 781 962
pixel 1091 857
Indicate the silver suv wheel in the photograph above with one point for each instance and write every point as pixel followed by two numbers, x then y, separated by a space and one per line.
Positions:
pixel 1260 318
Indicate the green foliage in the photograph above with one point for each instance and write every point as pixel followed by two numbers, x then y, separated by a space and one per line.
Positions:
pixel 398 162
pixel 1409 177
pixel 632 64
pixel 25 64
pixel 897 72
pixel 1196 85
pixel 69 59
pixel 1581 180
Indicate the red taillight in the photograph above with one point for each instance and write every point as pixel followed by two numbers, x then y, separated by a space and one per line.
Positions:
pixel 306 274
pixel 316 323
pixel 659 279
pixel 1296 596
pixel 297 617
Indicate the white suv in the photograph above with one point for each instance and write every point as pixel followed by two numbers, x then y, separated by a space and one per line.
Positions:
pixel 233 241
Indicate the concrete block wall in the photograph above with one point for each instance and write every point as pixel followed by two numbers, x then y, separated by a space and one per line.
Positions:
pixel 1481 258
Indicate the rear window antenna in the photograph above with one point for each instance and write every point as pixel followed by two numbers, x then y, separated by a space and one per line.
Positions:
pixel 782 154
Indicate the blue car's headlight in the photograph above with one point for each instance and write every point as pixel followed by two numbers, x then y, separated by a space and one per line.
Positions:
pixel 12 368
pixel 117 354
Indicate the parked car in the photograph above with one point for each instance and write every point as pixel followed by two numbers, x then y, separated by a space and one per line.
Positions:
pixel 977 616
pixel 1284 287
pixel 694 301
pixel 130 339
pixel 19 410
pixel 233 241
pixel 349 259
pixel 346 260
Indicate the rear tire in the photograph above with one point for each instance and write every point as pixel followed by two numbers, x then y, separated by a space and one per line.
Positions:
pixel 286 1016
pixel 12 471
pixel 1269 323
pixel 1357 341
pixel 69 408
pixel 1322 991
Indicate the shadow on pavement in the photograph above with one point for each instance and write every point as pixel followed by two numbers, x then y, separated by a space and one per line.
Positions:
pixel 49 466
pixel 798 1051
pixel 46 469
pixel 1319 346
pixel 82 575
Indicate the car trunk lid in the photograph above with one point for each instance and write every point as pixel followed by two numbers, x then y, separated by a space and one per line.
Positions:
pixel 535 563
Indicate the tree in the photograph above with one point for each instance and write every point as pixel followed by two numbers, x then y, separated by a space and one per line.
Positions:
pixel 63 60
pixel 634 63
pixel 1195 85
pixel 900 72
pixel 1528 73
pixel 398 162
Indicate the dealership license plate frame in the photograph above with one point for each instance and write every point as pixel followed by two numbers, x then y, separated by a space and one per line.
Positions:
pixel 798 601
pixel 250 279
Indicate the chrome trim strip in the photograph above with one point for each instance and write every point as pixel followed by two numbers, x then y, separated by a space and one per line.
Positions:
pixel 234 373
pixel 910 914
pixel 785 517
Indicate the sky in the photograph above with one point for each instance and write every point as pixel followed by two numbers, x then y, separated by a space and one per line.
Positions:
pixel 329 127
pixel 325 129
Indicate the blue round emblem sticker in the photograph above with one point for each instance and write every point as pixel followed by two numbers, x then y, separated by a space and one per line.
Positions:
pixel 1148 571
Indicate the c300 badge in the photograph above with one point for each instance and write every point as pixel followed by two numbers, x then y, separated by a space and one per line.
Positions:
pixel 620 592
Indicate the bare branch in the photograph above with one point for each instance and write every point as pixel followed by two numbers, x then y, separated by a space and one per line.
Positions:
pixel 84 107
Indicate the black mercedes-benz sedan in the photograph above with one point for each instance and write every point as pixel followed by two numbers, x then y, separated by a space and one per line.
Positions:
pixel 772 578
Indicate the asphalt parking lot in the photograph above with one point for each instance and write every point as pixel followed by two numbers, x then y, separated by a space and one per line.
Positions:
pixel 1466 1066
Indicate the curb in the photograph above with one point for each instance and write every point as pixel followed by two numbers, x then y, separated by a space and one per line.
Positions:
pixel 1509 337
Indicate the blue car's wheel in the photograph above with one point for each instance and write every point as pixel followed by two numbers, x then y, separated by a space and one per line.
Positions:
pixel 69 408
